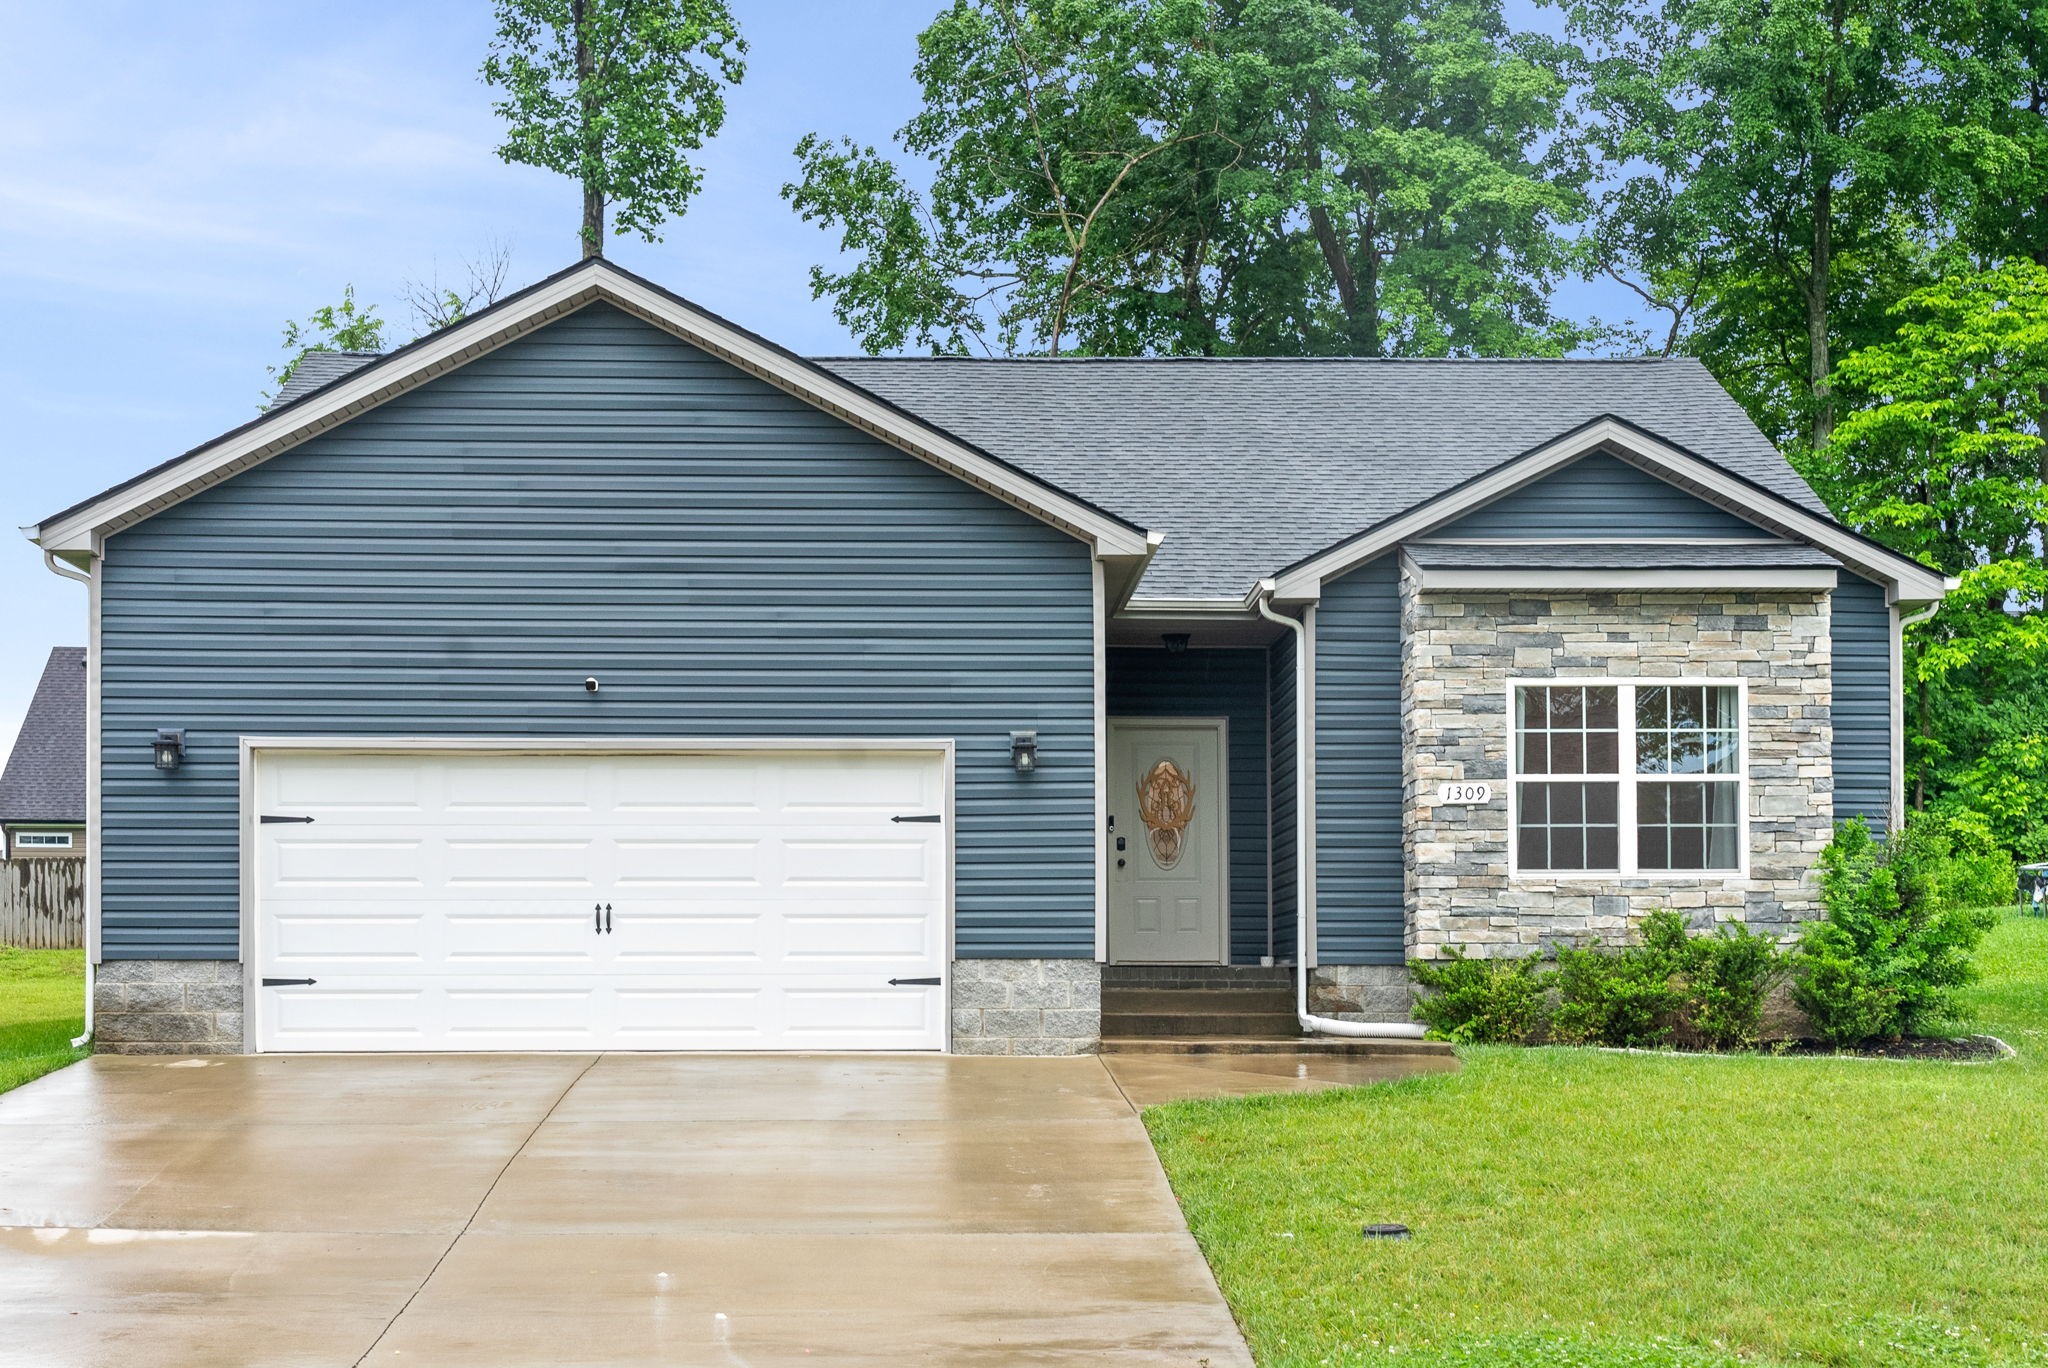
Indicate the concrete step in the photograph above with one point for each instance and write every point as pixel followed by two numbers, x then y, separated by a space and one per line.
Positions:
pixel 1204 1023
pixel 1266 1045
pixel 1280 1000
pixel 1197 976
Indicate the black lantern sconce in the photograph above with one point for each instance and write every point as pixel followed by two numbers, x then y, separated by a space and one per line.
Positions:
pixel 1175 642
pixel 169 747
pixel 1024 751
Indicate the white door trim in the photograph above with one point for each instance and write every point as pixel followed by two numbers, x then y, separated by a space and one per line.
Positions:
pixel 254 746
pixel 1221 725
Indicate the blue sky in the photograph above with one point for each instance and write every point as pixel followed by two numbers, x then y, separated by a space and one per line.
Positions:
pixel 175 181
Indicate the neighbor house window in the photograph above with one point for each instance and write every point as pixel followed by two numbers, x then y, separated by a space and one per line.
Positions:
pixel 1628 778
pixel 42 840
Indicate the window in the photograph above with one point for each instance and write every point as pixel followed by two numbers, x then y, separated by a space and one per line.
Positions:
pixel 42 840
pixel 1628 778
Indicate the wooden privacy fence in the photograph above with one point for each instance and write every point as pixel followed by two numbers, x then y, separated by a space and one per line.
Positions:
pixel 42 903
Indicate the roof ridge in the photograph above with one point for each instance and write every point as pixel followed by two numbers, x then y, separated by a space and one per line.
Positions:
pixel 826 359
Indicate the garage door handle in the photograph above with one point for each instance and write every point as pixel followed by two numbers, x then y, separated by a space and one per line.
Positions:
pixel 917 983
pixel 288 983
pixel 919 817
pixel 607 919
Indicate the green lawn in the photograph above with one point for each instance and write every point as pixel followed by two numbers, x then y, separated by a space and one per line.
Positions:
pixel 1574 1207
pixel 42 1008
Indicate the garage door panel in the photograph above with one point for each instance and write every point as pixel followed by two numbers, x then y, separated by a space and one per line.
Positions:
pixel 454 901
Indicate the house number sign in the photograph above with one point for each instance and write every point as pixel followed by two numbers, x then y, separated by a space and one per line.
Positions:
pixel 1464 793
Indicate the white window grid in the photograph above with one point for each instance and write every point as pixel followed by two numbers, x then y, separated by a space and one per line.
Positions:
pixel 43 840
pixel 1625 703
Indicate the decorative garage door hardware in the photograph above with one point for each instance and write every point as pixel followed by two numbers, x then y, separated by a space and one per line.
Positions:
pixel 267 817
pixel 919 817
pixel 914 982
pixel 601 918
pixel 289 983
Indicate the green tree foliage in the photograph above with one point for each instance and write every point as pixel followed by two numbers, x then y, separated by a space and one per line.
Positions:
pixel 342 327
pixel 617 94
pixel 1210 177
pixel 1895 945
pixel 1769 171
pixel 1943 458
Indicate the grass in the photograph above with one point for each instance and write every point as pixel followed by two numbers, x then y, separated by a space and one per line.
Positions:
pixel 42 1008
pixel 1596 1210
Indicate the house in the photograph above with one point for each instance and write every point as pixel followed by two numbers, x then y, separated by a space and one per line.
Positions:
pixel 42 790
pixel 597 674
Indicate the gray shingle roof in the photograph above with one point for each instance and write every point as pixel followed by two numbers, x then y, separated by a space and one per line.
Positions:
pixel 1251 464
pixel 45 776
pixel 318 368
pixel 1759 555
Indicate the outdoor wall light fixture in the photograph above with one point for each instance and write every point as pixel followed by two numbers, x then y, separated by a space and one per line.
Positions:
pixel 1024 751
pixel 590 684
pixel 169 747
pixel 1176 642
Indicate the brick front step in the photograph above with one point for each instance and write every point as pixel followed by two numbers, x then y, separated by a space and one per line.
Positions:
pixel 1222 1045
pixel 1204 1023
pixel 1274 1001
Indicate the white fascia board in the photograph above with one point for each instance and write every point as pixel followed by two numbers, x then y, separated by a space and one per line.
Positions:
pixel 1810 579
pixel 1907 580
pixel 1187 608
pixel 573 290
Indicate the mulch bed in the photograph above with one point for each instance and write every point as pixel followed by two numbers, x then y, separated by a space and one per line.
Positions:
pixel 1968 1050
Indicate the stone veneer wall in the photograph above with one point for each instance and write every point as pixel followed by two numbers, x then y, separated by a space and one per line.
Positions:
pixel 1026 1007
pixel 1458 652
pixel 167 1007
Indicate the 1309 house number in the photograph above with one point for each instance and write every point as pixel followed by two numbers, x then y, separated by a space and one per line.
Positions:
pixel 1464 793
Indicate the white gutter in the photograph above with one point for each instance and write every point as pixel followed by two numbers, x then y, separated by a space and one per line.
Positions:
pixel 1304 741
pixel 72 572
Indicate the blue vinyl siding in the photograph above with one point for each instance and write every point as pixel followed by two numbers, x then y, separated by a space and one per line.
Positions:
pixel 598 498
pixel 1600 496
pixel 1152 682
pixel 1861 632
pixel 1281 737
pixel 1360 908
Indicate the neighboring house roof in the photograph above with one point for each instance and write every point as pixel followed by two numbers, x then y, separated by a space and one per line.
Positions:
pixel 1248 467
pixel 317 369
pixel 45 776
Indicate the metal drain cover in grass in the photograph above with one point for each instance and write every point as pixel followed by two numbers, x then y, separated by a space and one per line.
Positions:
pixel 1389 1231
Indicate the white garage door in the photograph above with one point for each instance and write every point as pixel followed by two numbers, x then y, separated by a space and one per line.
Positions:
pixel 480 901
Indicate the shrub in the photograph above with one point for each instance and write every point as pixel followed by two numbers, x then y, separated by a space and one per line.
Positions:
pixel 1705 988
pixel 1481 1001
pixel 1887 959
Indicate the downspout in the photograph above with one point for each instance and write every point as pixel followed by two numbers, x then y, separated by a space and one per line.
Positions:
pixel 72 572
pixel 1304 741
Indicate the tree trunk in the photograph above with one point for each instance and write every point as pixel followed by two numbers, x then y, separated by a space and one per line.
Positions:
pixel 592 233
pixel 1818 365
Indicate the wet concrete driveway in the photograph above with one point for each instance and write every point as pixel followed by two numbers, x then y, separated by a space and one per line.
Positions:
pixel 501 1210
pixel 615 1209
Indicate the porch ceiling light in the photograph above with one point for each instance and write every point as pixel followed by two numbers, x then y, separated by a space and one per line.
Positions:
pixel 1024 751
pixel 1176 642
pixel 168 749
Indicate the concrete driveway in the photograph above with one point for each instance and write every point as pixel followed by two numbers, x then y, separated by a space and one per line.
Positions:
pixel 614 1209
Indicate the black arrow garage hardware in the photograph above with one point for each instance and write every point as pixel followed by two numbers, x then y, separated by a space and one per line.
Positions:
pixel 919 817
pixel 289 983
pixel 916 982
pixel 266 817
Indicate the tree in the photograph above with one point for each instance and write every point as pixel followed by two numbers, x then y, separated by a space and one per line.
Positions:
pixel 615 93
pixel 1944 459
pixel 339 327
pixel 1771 172
pixel 436 306
pixel 1992 56
pixel 1209 176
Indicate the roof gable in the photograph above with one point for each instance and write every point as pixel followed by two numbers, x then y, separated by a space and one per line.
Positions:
pixel 78 530
pixel 1599 497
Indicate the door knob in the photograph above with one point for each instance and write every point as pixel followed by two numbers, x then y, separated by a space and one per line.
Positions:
pixel 1120 863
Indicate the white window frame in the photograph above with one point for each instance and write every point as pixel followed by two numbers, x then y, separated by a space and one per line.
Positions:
pixel 44 840
pixel 1625 687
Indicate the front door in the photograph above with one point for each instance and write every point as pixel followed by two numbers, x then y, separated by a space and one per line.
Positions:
pixel 1168 806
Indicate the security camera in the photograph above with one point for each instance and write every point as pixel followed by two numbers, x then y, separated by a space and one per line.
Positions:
pixel 590 684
